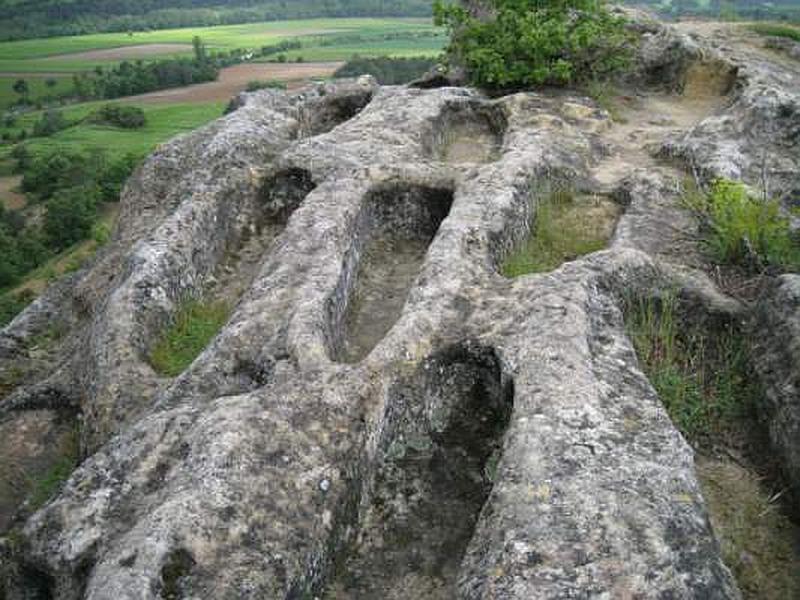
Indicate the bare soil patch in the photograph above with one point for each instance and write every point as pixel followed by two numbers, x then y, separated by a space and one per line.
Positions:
pixel 9 197
pixel 123 52
pixel 234 80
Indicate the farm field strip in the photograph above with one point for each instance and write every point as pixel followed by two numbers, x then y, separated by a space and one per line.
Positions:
pixel 252 35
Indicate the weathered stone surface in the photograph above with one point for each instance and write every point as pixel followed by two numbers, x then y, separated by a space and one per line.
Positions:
pixel 777 349
pixel 757 138
pixel 491 438
pixel 248 475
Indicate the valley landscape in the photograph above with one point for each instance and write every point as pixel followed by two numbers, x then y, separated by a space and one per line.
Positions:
pixel 499 303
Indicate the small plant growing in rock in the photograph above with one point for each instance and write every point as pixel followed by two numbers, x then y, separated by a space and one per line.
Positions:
pixel 194 327
pixel 701 377
pixel 523 43
pixel 745 230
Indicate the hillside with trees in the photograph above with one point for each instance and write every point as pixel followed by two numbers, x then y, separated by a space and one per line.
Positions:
pixel 43 18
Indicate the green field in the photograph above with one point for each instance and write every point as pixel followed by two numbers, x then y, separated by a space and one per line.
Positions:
pixel 35 56
pixel 322 39
pixel 37 86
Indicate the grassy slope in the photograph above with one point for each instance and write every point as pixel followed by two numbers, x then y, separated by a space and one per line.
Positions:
pixel 163 122
pixel 37 86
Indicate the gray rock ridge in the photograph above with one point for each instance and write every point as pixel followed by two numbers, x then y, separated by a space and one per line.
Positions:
pixel 185 207
pixel 757 138
pixel 255 472
pixel 776 334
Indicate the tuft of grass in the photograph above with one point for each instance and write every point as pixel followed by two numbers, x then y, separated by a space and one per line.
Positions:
pixel 777 30
pixel 744 230
pixel 702 379
pixel 194 327
pixel 45 486
pixel 565 227
pixel 607 98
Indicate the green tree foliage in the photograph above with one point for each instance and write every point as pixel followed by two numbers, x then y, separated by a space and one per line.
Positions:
pixel 118 115
pixel 52 121
pixel 536 42
pixel 70 215
pixel 22 88
pixel 387 70
pixel 139 77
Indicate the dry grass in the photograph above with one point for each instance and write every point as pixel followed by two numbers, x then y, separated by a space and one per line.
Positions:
pixel 759 543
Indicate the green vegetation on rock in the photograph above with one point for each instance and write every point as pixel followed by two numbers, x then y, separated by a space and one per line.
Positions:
pixel 45 485
pixel 702 376
pixel 536 42
pixel 702 379
pixel 745 230
pixel 777 30
pixel 194 327
pixel 565 227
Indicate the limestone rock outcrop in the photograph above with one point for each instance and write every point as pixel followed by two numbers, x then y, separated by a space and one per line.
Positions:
pixel 437 431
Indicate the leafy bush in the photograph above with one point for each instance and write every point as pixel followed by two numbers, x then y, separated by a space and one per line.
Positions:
pixel 387 70
pixel 254 86
pixel 70 215
pixel 126 117
pixel 743 229
pixel 21 249
pixel 777 30
pixel 52 121
pixel 45 174
pixel 13 304
pixel 194 327
pixel 536 42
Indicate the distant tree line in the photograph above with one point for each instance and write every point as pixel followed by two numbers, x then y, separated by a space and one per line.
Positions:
pixel 387 71
pixel 47 18
pixel 138 77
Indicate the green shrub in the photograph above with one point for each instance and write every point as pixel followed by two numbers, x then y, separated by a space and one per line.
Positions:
pixel 254 86
pixel 194 327
pixel 13 304
pixel 536 42
pixel 118 115
pixel 51 122
pixel 101 233
pixel 777 30
pixel 70 215
pixel 387 70
pixel 743 229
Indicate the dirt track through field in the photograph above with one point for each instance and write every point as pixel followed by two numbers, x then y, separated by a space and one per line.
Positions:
pixel 123 52
pixel 234 80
